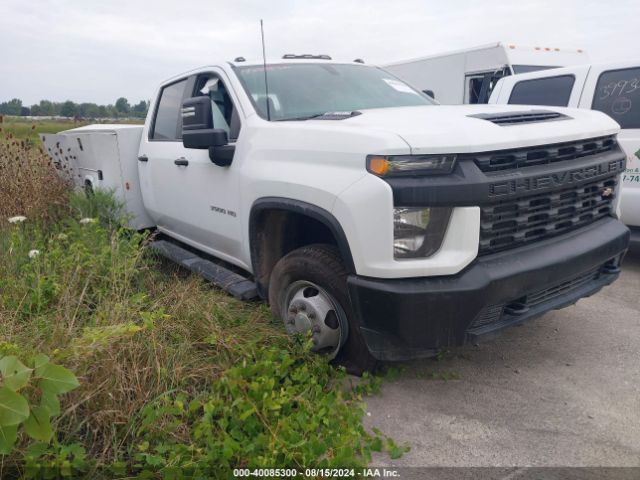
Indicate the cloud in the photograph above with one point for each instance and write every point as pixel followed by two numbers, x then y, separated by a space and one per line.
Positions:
pixel 97 51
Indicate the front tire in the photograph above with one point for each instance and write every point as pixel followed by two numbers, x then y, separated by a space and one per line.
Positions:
pixel 308 292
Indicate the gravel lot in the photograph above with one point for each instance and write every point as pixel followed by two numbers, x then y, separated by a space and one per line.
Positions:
pixel 561 390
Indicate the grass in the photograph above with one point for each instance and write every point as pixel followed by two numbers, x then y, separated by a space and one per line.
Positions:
pixel 176 378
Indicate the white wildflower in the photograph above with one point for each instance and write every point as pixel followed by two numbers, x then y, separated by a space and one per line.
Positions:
pixel 86 220
pixel 17 219
pixel 34 253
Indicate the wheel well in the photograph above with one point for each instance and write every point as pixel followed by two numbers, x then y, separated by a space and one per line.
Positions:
pixel 274 232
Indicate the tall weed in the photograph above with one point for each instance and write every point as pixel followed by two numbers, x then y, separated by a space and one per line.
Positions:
pixel 29 183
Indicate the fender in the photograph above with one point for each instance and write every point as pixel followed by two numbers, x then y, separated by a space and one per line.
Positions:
pixel 303 208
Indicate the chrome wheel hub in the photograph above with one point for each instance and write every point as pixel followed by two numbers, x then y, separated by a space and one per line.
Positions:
pixel 309 308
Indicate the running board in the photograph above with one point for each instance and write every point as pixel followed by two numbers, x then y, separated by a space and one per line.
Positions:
pixel 231 282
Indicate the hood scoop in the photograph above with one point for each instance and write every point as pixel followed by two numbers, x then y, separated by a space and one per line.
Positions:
pixel 517 118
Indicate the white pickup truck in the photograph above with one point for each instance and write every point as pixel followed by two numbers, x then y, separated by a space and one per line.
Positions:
pixel 386 225
pixel 612 88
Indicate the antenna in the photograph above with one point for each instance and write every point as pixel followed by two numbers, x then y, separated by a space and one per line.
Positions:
pixel 264 63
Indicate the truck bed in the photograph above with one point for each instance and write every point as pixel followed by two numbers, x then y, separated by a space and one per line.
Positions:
pixel 102 157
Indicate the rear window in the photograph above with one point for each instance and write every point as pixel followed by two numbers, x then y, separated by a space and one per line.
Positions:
pixel 168 119
pixel 553 91
pixel 618 95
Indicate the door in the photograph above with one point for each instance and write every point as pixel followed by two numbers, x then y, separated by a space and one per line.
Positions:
pixel 192 199
pixel 616 92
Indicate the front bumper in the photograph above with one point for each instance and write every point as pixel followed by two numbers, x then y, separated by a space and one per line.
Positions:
pixel 415 317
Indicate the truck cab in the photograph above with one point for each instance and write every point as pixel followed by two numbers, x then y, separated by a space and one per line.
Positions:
pixel 611 88
pixel 380 223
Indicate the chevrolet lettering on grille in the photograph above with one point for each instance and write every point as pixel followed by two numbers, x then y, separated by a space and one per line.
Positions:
pixel 520 185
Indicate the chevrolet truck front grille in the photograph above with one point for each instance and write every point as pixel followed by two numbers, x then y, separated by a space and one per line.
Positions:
pixel 529 218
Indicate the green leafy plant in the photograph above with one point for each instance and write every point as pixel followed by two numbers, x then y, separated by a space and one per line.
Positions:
pixel 43 460
pixel 29 398
pixel 275 408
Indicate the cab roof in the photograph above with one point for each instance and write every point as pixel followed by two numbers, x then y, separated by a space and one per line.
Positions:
pixel 225 64
pixel 241 62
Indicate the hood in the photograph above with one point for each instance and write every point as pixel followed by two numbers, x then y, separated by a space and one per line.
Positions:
pixel 460 128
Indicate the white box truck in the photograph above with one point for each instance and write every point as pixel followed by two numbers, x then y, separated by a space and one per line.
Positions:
pixel 612 88
pixel 469 75
pixel 384 225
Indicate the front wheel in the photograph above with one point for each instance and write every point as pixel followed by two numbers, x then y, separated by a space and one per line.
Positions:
pixel 308 291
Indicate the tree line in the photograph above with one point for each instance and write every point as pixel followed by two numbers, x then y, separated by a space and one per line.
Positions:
pixel 47 108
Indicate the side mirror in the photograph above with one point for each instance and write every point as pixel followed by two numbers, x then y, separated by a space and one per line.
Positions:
pixel 198 131
pixel 429 93
pixel 197 125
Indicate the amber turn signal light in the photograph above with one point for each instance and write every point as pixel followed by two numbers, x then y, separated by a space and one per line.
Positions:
pixel 378 166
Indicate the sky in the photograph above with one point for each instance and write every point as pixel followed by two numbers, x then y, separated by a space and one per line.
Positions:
pixel 97 51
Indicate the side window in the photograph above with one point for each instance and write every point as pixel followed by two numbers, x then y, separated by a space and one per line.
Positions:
pixel 618 95
pixel 167 123
pixel 552 91
pixel 480 86
pixel 225 114
pixel 474 87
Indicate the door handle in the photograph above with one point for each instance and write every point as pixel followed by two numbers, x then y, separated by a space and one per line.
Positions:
pixel 143 158
pixel 181 162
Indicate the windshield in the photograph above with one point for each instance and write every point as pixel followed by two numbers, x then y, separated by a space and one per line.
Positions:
pixel 301 91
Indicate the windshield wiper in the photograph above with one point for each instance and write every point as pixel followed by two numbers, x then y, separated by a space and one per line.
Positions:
pixel 306 117
pixel 326 116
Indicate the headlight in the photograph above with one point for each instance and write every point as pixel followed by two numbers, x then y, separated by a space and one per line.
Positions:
pixel 418 232
pixel 398 165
